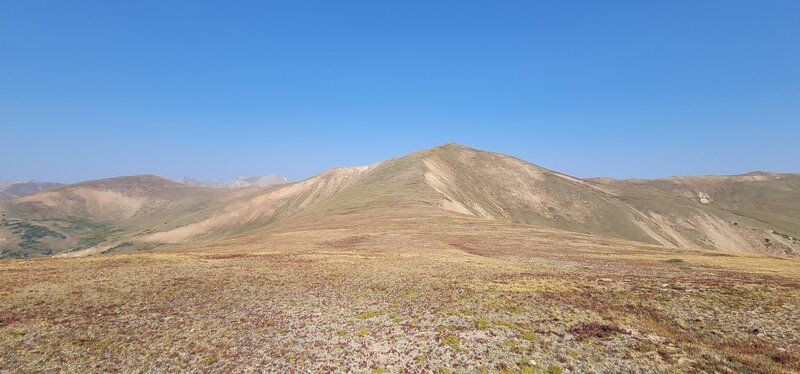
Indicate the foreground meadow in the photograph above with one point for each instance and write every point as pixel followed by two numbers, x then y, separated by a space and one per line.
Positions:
pixel 404 296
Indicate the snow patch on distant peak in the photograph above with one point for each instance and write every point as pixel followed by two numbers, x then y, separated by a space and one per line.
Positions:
pixel 240 182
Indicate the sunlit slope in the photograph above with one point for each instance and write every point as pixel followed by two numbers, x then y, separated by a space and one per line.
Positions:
pixel 754 213
pixel 454 179
pixel 264 208
pixel 103 213
pixel 758 212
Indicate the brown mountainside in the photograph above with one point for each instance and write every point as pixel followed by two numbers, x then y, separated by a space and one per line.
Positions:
pixel 757 212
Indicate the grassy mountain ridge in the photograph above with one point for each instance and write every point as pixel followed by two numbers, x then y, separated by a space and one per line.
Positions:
pixel 461 180
pixel 10 190
pixel 759 211
pixel 756 212
pixel 96 213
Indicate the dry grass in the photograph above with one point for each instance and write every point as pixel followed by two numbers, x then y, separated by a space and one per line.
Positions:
pixel 403 295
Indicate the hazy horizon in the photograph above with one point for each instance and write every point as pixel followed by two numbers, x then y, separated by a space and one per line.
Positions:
pixel 179 178
pixel 628 90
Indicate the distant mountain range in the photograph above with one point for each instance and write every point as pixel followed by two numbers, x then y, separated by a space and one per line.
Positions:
pixel 10 190
pixel 262 181
pixel 756 212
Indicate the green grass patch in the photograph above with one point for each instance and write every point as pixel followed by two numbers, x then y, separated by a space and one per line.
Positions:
pixel 530 336
pixel 368 315
pixel 451 341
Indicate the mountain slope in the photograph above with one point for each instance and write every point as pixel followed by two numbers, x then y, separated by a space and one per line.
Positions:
pixel 109 211
pixel 460 180
pixel 116 200
pixel 10 190
pixel 750 213
pixel 263 208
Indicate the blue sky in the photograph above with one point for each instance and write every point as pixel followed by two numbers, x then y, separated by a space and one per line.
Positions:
pixel 92 89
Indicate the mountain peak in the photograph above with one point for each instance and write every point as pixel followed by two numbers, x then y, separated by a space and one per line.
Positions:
pixel 450 179
pixel 454 147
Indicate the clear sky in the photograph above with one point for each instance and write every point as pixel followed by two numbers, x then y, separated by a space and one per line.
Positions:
pixel 213 90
